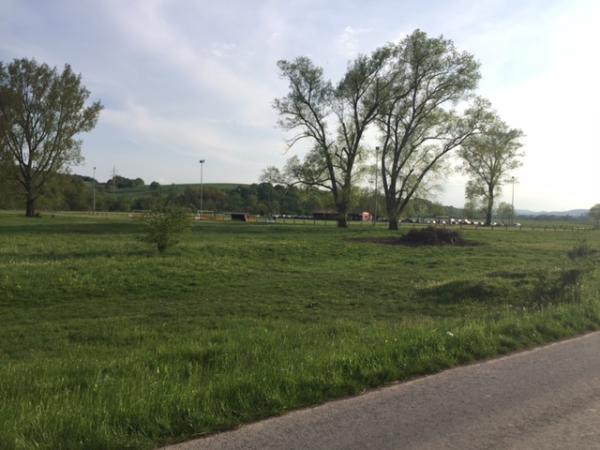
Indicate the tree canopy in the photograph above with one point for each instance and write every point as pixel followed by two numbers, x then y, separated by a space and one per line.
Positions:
pixel 417 123
pixel 334 120
pixel 409 92
pixel 41 113
pixel 487 158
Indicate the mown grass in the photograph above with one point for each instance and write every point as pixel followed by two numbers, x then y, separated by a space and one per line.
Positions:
pixel 106 345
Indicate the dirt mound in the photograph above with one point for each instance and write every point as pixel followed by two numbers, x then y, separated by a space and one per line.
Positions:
pixel 423 236
pixel 433 236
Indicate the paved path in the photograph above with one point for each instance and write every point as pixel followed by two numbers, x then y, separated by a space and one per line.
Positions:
pixel 547 398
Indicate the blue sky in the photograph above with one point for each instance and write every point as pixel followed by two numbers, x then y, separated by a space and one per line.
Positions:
pixel 184 80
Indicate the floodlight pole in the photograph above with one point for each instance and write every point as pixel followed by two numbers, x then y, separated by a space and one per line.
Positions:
pixel 201 185
pixel 376 186
pixel 94 192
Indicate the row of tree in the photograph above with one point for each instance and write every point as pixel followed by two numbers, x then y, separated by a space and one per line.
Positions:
pixel 418 96
pixel 65 192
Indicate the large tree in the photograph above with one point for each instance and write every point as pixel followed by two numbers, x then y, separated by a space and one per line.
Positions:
pixel 488 158
pixel 41 113
pixel 333 119
pixel 417 123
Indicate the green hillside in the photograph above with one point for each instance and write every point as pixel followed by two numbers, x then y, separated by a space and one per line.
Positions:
pixel 168 188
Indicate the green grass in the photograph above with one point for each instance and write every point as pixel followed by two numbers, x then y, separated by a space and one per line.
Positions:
pixel 106 345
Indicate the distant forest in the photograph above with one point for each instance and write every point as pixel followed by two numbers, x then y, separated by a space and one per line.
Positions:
pixel 66 192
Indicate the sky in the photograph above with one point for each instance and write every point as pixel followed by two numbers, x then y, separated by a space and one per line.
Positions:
pixel 187 80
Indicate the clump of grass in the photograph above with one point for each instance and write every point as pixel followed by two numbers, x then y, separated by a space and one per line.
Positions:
pixel 565 283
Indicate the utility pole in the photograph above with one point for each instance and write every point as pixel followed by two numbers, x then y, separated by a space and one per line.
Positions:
pixel 201 185
pixel 94 192
pixel 376 186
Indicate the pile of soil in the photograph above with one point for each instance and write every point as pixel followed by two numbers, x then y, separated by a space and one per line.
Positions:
pixel 433 236
pixel 425 236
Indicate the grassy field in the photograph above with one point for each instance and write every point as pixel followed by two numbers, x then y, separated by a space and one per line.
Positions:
pixel 106 345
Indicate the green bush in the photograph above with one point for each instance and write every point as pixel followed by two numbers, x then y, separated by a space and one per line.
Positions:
pixel 164 225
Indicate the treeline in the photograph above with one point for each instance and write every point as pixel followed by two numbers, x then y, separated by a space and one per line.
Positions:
pixel 66 192
pixel 558 218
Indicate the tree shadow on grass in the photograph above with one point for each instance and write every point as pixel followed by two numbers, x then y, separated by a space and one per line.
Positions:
pixel 459 291
pixel 240 228
pixel 79 255
pixel 71 228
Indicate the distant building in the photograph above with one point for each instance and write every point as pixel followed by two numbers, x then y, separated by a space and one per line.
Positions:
pixel 242 217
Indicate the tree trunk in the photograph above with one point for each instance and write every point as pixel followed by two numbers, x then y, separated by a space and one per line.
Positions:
pixel 489 211
pixel 392 209
pixel 342 204
pixel 30 206
pixel 488 217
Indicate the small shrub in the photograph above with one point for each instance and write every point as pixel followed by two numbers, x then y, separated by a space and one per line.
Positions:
pixel 563 285
pixel 164 225
pixel 566 283
pixel 581 251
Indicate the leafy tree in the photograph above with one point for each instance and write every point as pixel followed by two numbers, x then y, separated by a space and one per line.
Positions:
pixel 41 113
pixel 65 192
pixel 334 120
pixel 505 212
pixel 416 123
pixel 488 158
pixel 120 182
pixel 595 215
pixel 438 210
pixel 9 188
pixel 471 209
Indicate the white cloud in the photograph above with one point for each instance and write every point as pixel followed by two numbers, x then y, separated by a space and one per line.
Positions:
pixel 183 79
pixel 186 137
pixel 148 31
pixel 348 42
pixel 223 49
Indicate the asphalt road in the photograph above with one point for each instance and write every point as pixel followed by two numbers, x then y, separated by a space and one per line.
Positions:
pixel 546 398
